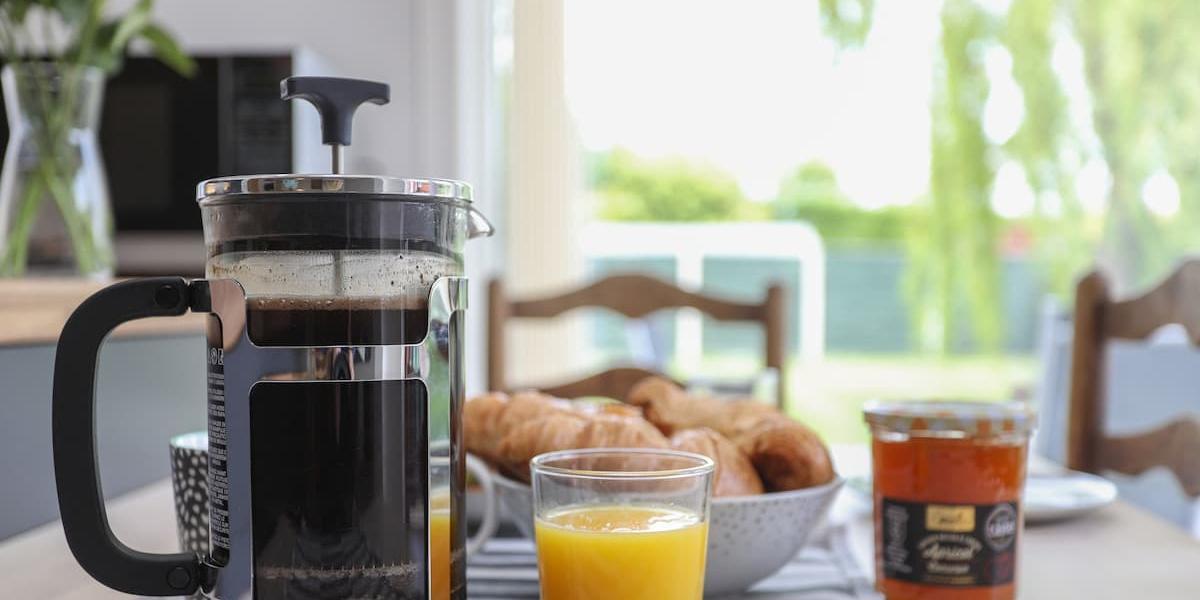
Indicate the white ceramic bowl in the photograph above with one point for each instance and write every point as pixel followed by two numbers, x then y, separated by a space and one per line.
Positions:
pixel 749 537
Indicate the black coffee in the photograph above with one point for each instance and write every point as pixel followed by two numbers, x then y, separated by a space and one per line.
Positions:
pixel 339 470
pixel 273 322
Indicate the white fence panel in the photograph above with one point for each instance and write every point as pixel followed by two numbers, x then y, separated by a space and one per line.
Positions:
pixel 690 243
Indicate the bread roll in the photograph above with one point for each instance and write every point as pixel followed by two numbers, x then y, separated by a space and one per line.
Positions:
pixel 571 431
pixel 671 409
pixel 479 418
pixel 755 446
pixel 488 418
pixel 787 454
pixel 734 475
pixel 619 409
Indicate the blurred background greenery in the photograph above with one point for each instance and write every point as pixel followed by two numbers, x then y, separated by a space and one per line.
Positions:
pixel 1144 101
pixel 940 284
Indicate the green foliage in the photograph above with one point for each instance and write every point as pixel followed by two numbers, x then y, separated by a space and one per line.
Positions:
pixel 167 50
pixel 1141 62
pixel 1140 66
pixel 72 11
pixel 635 189
pixel 847 21
pixel 1045 147
pixel 812 194
pixel 93 41
pixel 954 251
pixel 630 188
pixel 811 183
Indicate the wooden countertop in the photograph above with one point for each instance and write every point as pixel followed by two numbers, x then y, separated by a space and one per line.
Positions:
pixel 33 311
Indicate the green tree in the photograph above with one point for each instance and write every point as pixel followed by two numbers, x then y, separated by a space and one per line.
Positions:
pixel 811 183
pixel 953 254
pixel 1141 60
pixel 847 21
pixel 1140 65
pixel 1046 145
pixel 630 188
pixel 812 194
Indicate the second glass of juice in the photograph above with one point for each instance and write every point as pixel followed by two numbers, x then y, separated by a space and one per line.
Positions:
pixel 621 523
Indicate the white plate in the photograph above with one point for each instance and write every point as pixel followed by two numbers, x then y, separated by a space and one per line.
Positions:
pixel 1055 497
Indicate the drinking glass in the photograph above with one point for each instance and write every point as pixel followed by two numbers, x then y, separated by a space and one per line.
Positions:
pixel 621 523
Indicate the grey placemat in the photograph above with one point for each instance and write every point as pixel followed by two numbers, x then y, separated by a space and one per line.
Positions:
pixel 506 569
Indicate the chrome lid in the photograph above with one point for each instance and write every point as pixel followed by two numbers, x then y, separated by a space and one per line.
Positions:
pixel 288 184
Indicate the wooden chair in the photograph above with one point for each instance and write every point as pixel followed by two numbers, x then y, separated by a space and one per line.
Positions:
pixel 1098 319
pixel 633 296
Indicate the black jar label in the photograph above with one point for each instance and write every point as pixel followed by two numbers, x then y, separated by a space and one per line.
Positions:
pixel 954 545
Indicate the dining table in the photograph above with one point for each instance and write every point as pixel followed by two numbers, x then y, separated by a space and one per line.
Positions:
pixel 1117 552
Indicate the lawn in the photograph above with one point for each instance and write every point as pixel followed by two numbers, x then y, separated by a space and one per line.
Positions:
pixel 829 394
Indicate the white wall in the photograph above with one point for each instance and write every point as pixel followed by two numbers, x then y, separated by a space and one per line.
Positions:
pixel 434 53
pixel 387 40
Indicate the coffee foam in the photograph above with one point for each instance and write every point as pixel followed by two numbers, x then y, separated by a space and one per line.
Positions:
pixel 334 280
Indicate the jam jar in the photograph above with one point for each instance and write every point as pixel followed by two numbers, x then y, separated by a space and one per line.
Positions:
pixel 948 478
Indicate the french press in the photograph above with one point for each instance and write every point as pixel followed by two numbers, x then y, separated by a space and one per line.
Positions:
pixel 335 384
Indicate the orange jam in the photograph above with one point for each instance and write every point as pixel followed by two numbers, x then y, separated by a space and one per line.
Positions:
pixel 947 492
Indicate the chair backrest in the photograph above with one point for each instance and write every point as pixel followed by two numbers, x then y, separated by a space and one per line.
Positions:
pixel 633 296
pixel 1100 319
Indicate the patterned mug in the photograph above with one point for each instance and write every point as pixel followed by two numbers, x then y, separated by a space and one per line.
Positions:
pixel 189 481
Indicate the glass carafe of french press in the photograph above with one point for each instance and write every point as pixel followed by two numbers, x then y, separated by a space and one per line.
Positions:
pixel 335 382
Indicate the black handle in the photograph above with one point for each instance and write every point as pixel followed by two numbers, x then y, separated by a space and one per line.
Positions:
pixel 336 99
pixel 80 502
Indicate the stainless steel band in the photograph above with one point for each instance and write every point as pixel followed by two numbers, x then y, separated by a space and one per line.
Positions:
pixel 435 361
pixel 443 189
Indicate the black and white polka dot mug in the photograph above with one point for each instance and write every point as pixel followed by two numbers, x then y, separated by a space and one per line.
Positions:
pixel 189 481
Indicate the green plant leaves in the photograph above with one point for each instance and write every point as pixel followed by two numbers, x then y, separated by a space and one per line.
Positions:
pixel 72 11
pixel 109 62
pixel 168 51
pixel 98 43
pixel 130 26
pixel 17 10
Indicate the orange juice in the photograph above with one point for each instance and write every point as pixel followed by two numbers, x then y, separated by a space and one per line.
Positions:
pixel 626 552
pixel 439 554
pixel 439 546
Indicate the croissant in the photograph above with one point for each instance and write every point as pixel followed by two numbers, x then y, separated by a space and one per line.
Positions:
pixel 479 417
pixel 734 475
pixel 619 409
pixel 487 418
pixel 672 409
pixel 566 431
pixel 787 454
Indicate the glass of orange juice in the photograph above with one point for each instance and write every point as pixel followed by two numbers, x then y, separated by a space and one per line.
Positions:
pixel 621 523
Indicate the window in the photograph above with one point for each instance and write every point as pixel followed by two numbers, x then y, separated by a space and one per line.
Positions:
pixel 961 163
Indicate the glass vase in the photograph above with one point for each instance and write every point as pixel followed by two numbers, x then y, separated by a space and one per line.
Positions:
pixel 55 215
